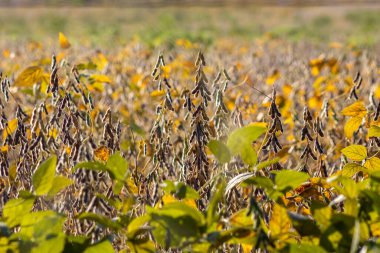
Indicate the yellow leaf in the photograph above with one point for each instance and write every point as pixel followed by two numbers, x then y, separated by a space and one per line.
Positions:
pixel 29 76
pixel 12 125
pixel 357 109
pixel 102 153
pixel 100 78
pixel 352 125
pixel 279 225
pixel 273 78
pixel 374 131
pixel 373 163
pixel 63 41
pixel 157 93
pixel 351 169
pixel 355 152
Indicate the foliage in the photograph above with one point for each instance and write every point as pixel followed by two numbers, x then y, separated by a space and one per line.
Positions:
pixel 99 154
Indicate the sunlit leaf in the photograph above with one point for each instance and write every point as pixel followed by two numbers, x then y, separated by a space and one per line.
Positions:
pixel 374 131
pixel 15 209
pixel 43 177
pixel 59 183
pixel 289 179
pixel 352 125
pixel 29 76
pixel 357 109
pixel 372 164
pixel 351 169
pixel 355 152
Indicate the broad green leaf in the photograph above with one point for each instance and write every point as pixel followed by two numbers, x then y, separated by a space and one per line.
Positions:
pixel 372 164
pixel 43 177
pixel 351 169
pixel 374 131
pixel 289 179
pixel 15 209
pixel 39 225
pixel 100 219
pixel 355 152
pixel 54 243
pixel 135 226
pixel 220 151
pixel 104 247
pixel 118 166
pixel 176 223
pixel 180 190
pixel 59 183
pixel 240 142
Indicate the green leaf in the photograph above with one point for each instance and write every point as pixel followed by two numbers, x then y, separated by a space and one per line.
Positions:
pixel 176 223
pixel 212 209
pixel 15 209
pixel 91 166
pixel 43 177
pixel 50 244
pixel 100 219
pixel 180 190
pixel 118 166
pixel 374 131
pixel 220 151
pixel 265 164
pixel 240 142
pixel 289 179
pixel 355 152
pixel 103 246
pixel 304 248
pixel 351 169
pixel 41 225
pixel 59 183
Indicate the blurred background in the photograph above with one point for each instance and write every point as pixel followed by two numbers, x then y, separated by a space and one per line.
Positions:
pixel 154 22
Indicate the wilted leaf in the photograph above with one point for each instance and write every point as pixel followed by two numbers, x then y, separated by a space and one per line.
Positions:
pixel 102 153
pixel 63 41
pixel 43 177
pixel 220 150
pixel 355 152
